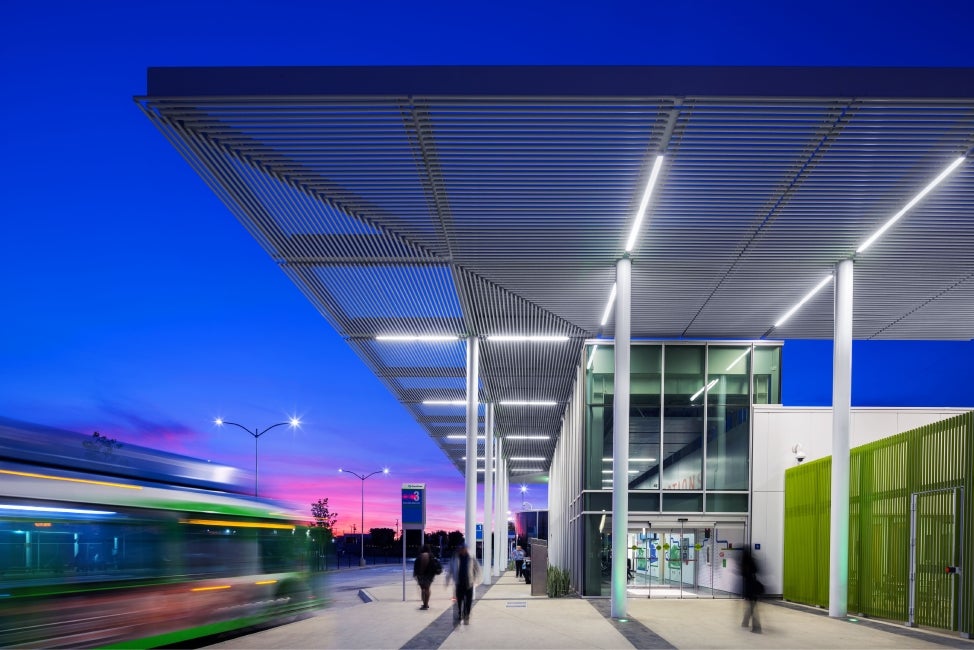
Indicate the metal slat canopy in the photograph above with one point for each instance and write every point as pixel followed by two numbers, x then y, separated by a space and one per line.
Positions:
pixel 478 201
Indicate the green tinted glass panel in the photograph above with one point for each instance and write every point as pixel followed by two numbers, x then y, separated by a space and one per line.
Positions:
pixel 682 502
pixel 728 417
pixel 683 408
pixel 598 501
pixel 726 502
pixel 767 375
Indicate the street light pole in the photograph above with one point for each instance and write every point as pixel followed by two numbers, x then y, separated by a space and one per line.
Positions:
pixel 384 470
pixel 257 433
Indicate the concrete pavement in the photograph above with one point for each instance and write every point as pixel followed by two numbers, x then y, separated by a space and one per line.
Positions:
pixel 507 616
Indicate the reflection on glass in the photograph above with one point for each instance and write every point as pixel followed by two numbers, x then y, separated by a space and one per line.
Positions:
pixel 767 375
pixel 683 408
pixel 728 417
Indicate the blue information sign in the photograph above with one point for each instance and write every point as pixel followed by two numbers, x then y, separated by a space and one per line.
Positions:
pixel 414 506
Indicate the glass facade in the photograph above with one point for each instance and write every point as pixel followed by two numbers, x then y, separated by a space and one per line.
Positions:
pixel 689 436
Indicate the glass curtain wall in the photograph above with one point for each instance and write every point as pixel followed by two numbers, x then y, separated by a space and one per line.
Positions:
pixel 689 434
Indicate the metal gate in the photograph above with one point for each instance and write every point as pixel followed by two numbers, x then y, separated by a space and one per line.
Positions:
pixel 936 560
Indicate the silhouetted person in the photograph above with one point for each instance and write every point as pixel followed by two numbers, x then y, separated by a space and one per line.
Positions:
pixel 424 570
pixel 751 589
pixel 465 572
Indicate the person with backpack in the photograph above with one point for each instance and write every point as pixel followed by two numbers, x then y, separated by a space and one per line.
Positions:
pixel 465 571
pixel 425 569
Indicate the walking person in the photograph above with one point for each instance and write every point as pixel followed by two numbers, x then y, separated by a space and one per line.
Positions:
pixel 465 573
pixel 425 569
pixel 751 589
pixel 518 562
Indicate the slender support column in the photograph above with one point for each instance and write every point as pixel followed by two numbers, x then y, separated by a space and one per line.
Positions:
pixel 473 384
pixel 499 511
pixel 488 492
pixel 620 439
pixel 841 416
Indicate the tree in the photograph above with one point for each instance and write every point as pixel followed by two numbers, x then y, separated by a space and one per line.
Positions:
pixel 323 517
pixel 382 537
pixel 321 531
pixel 100 447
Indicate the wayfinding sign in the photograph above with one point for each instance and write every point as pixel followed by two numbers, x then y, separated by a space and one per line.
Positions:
pixel 414 506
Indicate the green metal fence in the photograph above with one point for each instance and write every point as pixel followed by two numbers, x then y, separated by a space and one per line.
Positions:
pixel 917 485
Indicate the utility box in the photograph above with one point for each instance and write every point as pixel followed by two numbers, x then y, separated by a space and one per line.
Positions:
pixel 539 567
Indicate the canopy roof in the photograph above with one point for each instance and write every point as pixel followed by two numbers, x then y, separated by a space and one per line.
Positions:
pixel 479 201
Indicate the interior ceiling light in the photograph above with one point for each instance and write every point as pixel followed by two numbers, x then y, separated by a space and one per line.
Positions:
pixel 444 402
pixel 522 470
pixel 591 357
pixel 527 437
pixel 916 199
pixel 534 338
pixel 418 337
pixel 481 469
pixel 644 204
pixel 633 460
pixel 526 458
pixel 808 296
pixel 738 359
pixel 609 471
pixel 608 306
pixel 460 436
pixel 703 388
pixel 478 458
pixel 528 403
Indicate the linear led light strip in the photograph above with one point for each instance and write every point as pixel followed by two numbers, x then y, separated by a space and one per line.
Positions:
pixel 644 204
pixel 591 357
pixel 738 360
pixel 414 338
pixel 527 437
pixel 533 338
pixel 608 306
pixel 457 402
pixel 712 383
pixel 632 460
pixel 916 199
pixel 808 296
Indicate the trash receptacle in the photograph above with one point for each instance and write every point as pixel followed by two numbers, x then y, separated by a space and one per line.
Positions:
pixel 526 571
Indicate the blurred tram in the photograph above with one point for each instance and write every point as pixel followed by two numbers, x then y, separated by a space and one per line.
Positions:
pixel 124 546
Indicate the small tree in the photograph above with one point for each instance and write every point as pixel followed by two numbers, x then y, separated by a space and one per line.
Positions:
pixel 322 530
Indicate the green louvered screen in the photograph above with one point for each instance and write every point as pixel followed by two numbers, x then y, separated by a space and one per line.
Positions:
pixel 932 463
pixel 807 497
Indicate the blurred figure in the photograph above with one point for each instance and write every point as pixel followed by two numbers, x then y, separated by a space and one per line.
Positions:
pixel 751 589
pixel 465 572
pixel 518 562
pixel 425 570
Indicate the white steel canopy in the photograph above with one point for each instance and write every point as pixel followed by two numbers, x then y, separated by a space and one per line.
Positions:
pixel 489 201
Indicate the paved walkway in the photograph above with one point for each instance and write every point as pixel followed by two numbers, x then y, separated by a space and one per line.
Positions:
pixel 507 617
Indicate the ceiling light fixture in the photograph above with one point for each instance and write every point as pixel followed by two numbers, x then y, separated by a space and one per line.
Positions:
pixel 591 357
pixel 527 458
pixel 644 204
pixel 533 338
pixel 608 306
pixel 401 338
pixel 528 403
pixel 633 460
pixel 524 470
pixel 703 388
pixel 529 437
pixel 444 402
pixel 738 359
pixel 458 436
pixel 916 199
pixel 808 296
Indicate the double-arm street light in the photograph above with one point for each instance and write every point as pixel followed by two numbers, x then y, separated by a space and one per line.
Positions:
pixel 257 433
pixel 384 470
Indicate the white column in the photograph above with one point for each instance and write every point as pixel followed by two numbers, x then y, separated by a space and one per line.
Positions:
pixel 841 416
pixel 499 517
pixel 473 383
pixel 620 440
pixel 488 491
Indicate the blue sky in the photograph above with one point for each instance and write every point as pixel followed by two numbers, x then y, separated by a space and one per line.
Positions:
pixel 135 304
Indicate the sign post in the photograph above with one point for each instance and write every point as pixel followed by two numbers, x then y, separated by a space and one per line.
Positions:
pixel 413 518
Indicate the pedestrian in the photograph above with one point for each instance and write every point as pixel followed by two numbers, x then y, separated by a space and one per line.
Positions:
pixel 465 573
pixel 518 562
pixel 425 569
pixel 751 589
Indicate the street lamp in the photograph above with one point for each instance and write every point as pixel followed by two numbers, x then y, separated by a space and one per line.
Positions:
pixel 524 490
pixel 384 470
pixel 256 433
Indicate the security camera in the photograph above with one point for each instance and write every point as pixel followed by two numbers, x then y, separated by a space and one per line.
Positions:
pixel 799 452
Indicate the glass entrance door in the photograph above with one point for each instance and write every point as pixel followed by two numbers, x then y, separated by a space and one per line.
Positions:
pixel 684 559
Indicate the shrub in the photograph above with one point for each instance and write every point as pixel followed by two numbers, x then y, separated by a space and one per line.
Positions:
pixel 557 582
